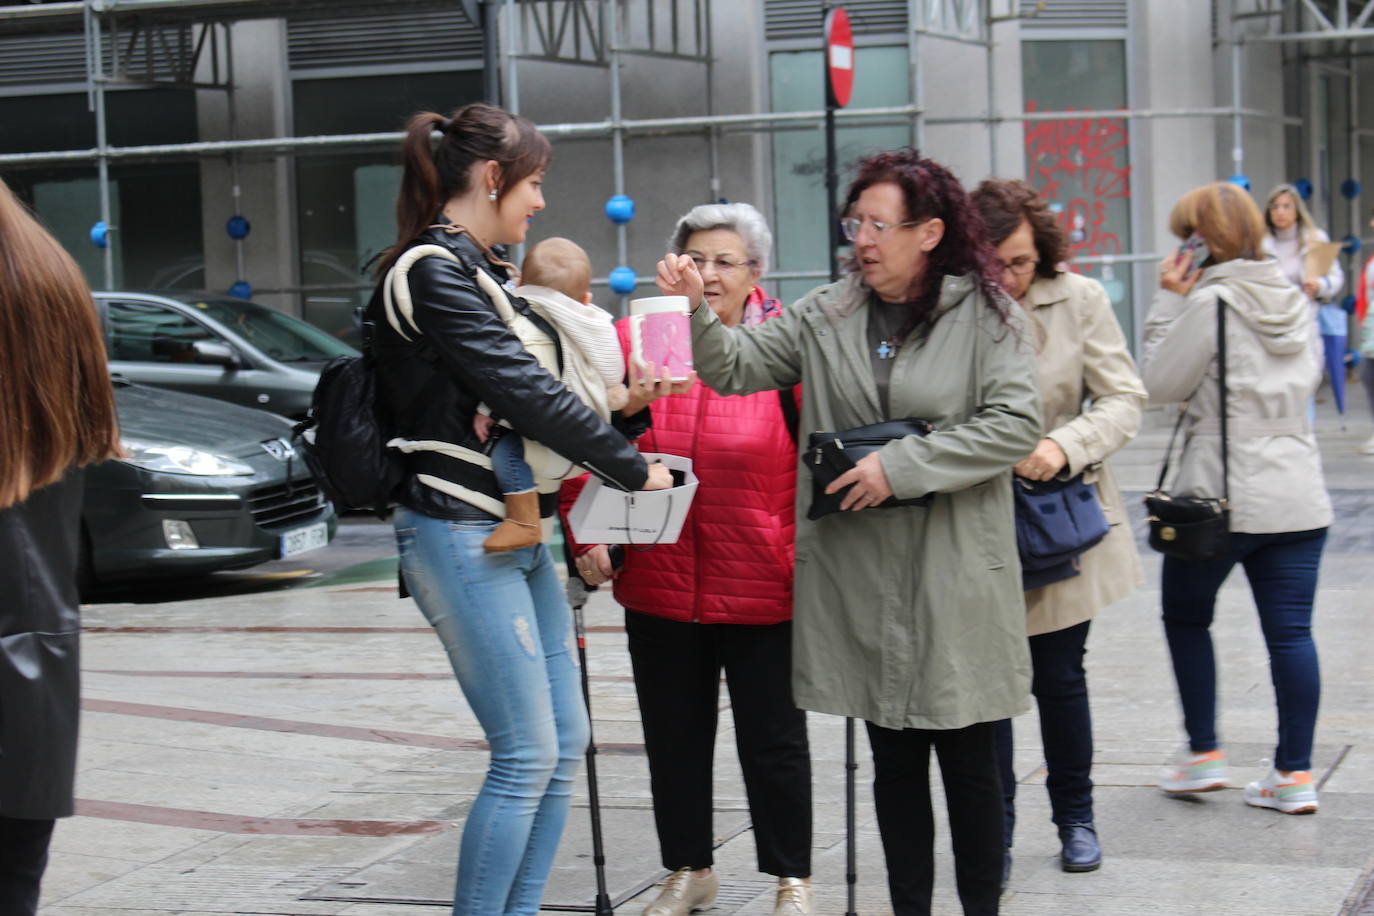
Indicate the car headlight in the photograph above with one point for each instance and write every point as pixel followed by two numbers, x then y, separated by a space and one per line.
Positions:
pixel 180 459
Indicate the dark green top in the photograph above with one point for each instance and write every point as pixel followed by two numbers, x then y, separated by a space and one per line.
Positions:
pixel 885 319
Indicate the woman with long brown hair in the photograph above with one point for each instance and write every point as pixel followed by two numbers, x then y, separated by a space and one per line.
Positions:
pixel 57 414
pixel 502 617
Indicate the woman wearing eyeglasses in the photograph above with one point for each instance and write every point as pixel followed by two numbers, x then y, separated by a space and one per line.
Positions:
pixel 1082 357
pixel 720 599
pixel 909 617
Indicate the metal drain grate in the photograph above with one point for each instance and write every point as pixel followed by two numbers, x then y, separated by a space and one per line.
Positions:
pixel 735 895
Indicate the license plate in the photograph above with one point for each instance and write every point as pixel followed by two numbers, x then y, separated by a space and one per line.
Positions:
pixel 302 539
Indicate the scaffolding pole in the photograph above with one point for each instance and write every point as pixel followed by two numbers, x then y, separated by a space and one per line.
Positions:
pixel 95 76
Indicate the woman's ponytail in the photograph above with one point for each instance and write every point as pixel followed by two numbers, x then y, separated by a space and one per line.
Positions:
pixel 421 194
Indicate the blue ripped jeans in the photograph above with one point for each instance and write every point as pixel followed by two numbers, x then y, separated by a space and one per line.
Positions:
pixel 505 624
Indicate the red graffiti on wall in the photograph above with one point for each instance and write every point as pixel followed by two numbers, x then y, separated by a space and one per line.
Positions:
pixel 1080 165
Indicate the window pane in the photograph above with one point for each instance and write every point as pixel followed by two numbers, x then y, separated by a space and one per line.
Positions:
pixel 155 243
pixel 146 333
pixel 881 78
pixel 281 337
pixel 1082 167
pixel 346 203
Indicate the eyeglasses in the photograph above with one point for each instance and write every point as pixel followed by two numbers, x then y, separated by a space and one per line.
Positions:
pixel 852 224
pixel 723 266
pixel 1021 266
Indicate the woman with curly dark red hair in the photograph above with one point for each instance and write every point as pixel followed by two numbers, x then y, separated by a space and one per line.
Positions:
pixel 911 618
pixel 1082 358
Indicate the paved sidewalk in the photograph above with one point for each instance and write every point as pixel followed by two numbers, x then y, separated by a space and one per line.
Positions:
pixel 305 751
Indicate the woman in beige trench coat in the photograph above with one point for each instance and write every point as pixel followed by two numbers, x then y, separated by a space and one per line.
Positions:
pixel 911 618
pixel 1082 356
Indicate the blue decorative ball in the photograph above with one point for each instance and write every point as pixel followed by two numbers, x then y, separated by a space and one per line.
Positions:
pixel 620 209
pixel 100 235
pixel 1240 180
pixel 1348 303
pixel 241 290
pixel 622 280
pixel 1304 188
pixel 238 227
pixel 1350 189
pixel 1350 244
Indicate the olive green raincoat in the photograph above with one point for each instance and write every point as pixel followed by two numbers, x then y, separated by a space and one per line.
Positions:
pixel 910 617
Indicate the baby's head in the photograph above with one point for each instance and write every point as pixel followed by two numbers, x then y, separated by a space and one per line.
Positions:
pixel 560 265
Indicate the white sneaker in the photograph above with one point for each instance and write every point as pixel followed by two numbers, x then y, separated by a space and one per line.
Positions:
pixel 1205 772
pixel 684 892
pixel 1291 794
pixel 1367 448
pixel 795 897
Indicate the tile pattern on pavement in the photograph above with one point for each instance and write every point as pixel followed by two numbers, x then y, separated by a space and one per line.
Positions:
pixel 333 705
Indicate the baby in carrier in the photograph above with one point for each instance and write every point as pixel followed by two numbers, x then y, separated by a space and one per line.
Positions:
pixel 556 278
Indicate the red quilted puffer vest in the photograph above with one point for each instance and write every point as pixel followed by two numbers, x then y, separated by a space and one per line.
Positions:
pixel 733 561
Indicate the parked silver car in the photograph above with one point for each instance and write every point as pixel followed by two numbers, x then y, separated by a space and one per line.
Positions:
pixel 216 346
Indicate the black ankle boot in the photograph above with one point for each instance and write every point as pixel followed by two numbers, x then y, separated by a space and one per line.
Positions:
pixel 1081 850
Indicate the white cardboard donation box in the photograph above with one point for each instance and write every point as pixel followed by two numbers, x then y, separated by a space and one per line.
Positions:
pixel 605 515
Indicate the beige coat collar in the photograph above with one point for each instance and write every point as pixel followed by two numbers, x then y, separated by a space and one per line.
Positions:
pixel 1048 291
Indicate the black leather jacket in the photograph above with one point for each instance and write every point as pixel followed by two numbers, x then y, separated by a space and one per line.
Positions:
pixel 465 339
pixel 40 628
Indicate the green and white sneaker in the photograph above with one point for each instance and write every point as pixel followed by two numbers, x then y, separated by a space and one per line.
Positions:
pixel 1291 793
pixel 1205 772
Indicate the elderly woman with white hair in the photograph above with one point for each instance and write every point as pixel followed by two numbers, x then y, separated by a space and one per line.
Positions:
pixel 720 599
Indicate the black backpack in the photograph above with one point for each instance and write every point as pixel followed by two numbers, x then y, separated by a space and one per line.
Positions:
pixel 343 439
pixel 344 436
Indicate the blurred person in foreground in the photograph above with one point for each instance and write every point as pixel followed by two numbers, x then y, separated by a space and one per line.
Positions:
pixel 57 415
pixel 1280 510
pixel 909 617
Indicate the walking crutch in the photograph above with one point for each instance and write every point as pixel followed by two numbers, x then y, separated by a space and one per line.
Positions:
pixel 577 592
pixel 851 766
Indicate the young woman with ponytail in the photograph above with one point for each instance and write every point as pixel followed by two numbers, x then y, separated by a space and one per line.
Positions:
pixel 502 617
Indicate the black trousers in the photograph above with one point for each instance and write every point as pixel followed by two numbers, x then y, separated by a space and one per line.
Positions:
pixel 23 856
pixel 1060 687
pixel 973 794
pixel 677 668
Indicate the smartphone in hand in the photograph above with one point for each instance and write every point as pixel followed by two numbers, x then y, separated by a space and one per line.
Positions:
pixel 1196 251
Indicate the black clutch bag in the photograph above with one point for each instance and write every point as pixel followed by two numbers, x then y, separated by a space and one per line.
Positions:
pixel 829 455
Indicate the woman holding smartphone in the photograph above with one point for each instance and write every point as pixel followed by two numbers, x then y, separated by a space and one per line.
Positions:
pixel 1279 506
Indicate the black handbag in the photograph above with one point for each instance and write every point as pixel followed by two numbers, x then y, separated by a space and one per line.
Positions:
pixel 1196 528
pixel 829 455
pixel 1056 521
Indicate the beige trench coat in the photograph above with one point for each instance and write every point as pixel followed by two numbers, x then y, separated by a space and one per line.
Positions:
pixel 1083 357
pixel 911 617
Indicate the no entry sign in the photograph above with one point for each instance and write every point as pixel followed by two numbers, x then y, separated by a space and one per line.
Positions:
pixel 839 56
